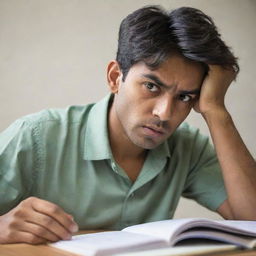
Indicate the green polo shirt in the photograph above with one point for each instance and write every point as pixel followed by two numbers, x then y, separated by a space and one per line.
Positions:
pixel 64 156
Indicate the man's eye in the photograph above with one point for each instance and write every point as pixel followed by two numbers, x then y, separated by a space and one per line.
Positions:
pixel 151 87
pixel 185 97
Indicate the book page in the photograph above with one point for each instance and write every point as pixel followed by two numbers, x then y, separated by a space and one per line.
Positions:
pixel 241 226
pixel 189 249
pixel 149 235
pixel 107 243
pixel 169 229
pixel 165 229
pixel 215 235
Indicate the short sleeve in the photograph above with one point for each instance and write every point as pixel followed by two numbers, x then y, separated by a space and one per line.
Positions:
pixel 17 160
pixel 204 182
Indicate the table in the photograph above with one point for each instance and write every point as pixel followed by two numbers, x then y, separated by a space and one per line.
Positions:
pixel 45 250
pixel 36 250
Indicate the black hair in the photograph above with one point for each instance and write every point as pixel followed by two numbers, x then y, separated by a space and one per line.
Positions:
pixel 151 35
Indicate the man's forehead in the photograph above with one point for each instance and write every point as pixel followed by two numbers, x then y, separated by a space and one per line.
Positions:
pixel 170 74
pixel 172 63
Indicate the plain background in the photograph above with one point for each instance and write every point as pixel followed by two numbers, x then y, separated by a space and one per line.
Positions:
pixel 54 53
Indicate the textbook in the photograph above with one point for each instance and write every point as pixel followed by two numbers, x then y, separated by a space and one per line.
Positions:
pixel 162 234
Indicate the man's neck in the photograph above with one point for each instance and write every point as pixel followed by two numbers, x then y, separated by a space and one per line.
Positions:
pixel 121 146
pixel 127 155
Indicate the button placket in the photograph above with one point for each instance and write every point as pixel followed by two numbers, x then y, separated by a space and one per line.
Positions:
pixel 128 209
pixel 114 167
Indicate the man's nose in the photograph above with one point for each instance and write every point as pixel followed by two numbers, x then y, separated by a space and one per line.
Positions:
pixel 164 108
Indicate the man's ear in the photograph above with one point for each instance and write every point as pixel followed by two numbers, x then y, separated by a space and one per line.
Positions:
pixel 114 76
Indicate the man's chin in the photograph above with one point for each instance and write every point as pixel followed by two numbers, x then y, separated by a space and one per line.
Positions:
pixel 148 144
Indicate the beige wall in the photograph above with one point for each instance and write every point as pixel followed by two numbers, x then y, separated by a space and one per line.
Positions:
pixel 54 53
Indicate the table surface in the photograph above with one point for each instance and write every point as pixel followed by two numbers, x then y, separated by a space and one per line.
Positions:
pixel 46 250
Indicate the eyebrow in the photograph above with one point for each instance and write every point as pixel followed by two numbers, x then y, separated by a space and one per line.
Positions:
pixel 160 83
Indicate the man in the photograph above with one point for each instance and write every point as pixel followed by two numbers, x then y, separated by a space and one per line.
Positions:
pixel 129 158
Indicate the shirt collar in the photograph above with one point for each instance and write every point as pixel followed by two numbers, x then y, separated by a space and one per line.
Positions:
pixel 96 146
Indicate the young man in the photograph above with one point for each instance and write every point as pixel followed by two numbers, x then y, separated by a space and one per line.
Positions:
pixel 129 158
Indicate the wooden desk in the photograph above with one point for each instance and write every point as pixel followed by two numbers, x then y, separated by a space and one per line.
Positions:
pixel 36 250
pixel 45 250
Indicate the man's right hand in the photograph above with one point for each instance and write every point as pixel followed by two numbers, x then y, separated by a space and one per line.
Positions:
pixel 36 221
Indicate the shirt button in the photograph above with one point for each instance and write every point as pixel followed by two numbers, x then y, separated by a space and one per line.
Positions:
pixel 114 167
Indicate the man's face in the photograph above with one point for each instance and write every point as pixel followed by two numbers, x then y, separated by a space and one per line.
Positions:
pixel 149 105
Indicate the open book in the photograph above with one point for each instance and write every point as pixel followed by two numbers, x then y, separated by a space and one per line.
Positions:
pixel 162 234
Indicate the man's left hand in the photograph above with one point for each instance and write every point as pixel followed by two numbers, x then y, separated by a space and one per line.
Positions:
pixel 214 88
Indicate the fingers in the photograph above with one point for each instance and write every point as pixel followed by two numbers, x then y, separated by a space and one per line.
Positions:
pixel 224 74
pixel 214 89
pixel 54 218
pixel 36 221
pixel 42 232
pixel 56 214
pixel 47 227
pixel 15 236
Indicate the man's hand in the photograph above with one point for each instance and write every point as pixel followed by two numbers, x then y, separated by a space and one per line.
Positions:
pixel 237 164
pixel 214 89
pixel 36 221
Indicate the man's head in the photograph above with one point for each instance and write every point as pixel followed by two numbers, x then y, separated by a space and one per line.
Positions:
pixel 157 76
pixel 150 104
pixel 151 35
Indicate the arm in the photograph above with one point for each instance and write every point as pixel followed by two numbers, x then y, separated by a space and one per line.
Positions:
pixel 36 221
pixel 237 164
pixel 33 220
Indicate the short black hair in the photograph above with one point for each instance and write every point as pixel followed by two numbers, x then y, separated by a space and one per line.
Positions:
pixel 151 35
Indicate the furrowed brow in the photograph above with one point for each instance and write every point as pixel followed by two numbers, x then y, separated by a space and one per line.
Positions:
pixel 156 80
pixel 196 92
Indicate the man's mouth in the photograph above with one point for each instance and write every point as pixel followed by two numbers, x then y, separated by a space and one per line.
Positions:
pixel 153 131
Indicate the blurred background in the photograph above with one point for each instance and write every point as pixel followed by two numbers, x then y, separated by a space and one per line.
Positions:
pixel 54 53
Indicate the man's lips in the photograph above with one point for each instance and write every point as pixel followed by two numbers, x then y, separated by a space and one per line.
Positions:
pixel 153 131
